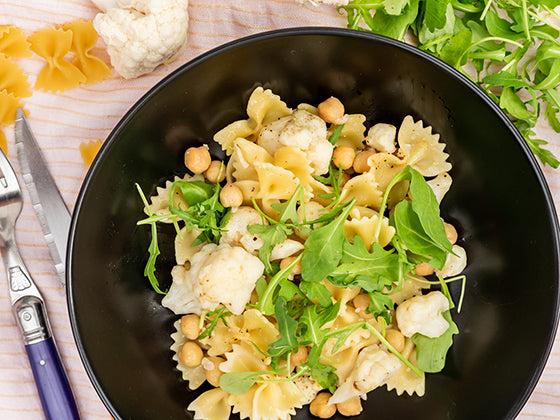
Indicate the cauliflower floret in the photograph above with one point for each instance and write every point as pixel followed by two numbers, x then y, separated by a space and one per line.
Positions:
pixel 236 229
pixel 381 137
pixel 455 263
pixel 423 314
pixel 141 34
pixel 374 366
pixel 303 130
pixel 219 274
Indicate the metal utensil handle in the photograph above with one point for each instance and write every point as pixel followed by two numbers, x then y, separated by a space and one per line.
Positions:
pixel 29 309
pixel 53 386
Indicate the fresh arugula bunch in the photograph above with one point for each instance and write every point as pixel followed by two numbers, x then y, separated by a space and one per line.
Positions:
pixel 510 45
pixel 198 207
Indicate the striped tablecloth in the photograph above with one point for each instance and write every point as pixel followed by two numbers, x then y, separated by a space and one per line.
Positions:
pixel 65 120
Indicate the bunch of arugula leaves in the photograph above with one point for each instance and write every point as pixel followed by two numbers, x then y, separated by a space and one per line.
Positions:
pixel 303 308
pixel 511 46
pixel 198 207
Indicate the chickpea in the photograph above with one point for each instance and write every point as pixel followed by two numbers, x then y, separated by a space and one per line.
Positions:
pixel 361 161
pixel 212 369
pixel 296 269
pixel 351 407
pixel 213 170
pixel 424 269
pixel 331 110
pixel 300 356
pixel 343 157
pixel 361 303
pixel 396 339
pixel 231 196
pixel 190 354
pixel 319 407
pixel 450 232
pixel 197 159
pixel 190 326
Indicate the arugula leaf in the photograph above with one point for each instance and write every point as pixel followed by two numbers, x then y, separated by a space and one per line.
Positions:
pixel 409 228
pixel 418 223
pixel 237 383
pixel 380 305
pixel 325 375
pixel 323 248
pixel 316 291
pixel 278 230
pixel 435 13
pixel 333 138
pixel 153 248
pixel 215 316
pixel 268 298
pixel 371 271
pixel 286 327
pixel 431 352
pixel 313 319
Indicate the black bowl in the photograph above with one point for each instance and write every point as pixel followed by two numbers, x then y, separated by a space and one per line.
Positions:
pixel 499 201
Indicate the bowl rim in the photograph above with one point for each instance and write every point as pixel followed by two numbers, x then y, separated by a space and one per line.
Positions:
pixel 310 31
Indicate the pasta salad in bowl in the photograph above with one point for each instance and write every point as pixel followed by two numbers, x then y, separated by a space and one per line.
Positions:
pixel 340 229
pixel 302 261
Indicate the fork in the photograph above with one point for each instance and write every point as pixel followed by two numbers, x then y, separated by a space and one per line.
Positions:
pixel 29 307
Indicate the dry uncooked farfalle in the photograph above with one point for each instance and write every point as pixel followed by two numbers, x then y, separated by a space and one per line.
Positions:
pixel 58 74
pixel 9 104
pixel 89 151
pixel 13 79
pixel 13 42
pixel 84 38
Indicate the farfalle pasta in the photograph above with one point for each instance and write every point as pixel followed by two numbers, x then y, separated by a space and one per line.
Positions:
pixel 326 267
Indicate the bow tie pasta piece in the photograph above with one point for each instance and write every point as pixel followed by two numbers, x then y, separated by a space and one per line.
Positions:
pixel 13 43
pixel 296 161
pixel 263 107
pixel 363 188
pixel 404 379
pixel 3 142
pixel 352 134
pixel 83 40
pixel 193 375
pixel 89 150
pixel 211 405
pixel 268 400
pixel 58 74
pixel 365 228
pixel 415 139
pixel 241 165
pixel 13 79
pixel 9 104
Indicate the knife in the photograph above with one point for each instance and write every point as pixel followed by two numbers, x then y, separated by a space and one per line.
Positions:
pixel 48 204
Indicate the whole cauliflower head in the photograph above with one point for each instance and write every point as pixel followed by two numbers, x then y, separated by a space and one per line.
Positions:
pixel 219 274
pixel 303 130
pixel 141 34
pixel 423 314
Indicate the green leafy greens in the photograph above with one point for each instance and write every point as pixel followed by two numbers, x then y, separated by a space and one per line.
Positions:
pixel 508 47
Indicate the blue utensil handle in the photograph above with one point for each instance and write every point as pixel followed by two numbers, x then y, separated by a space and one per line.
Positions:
pixel 52 383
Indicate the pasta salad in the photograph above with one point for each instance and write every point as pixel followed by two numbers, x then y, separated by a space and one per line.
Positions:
pixel 313 266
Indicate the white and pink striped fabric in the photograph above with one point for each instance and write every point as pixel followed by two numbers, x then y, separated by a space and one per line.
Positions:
pixel 63 121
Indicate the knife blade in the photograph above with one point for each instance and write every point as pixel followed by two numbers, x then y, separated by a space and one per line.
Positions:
pixel 47 201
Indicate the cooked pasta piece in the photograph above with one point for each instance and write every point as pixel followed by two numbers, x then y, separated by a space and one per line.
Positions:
pixel 193 375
